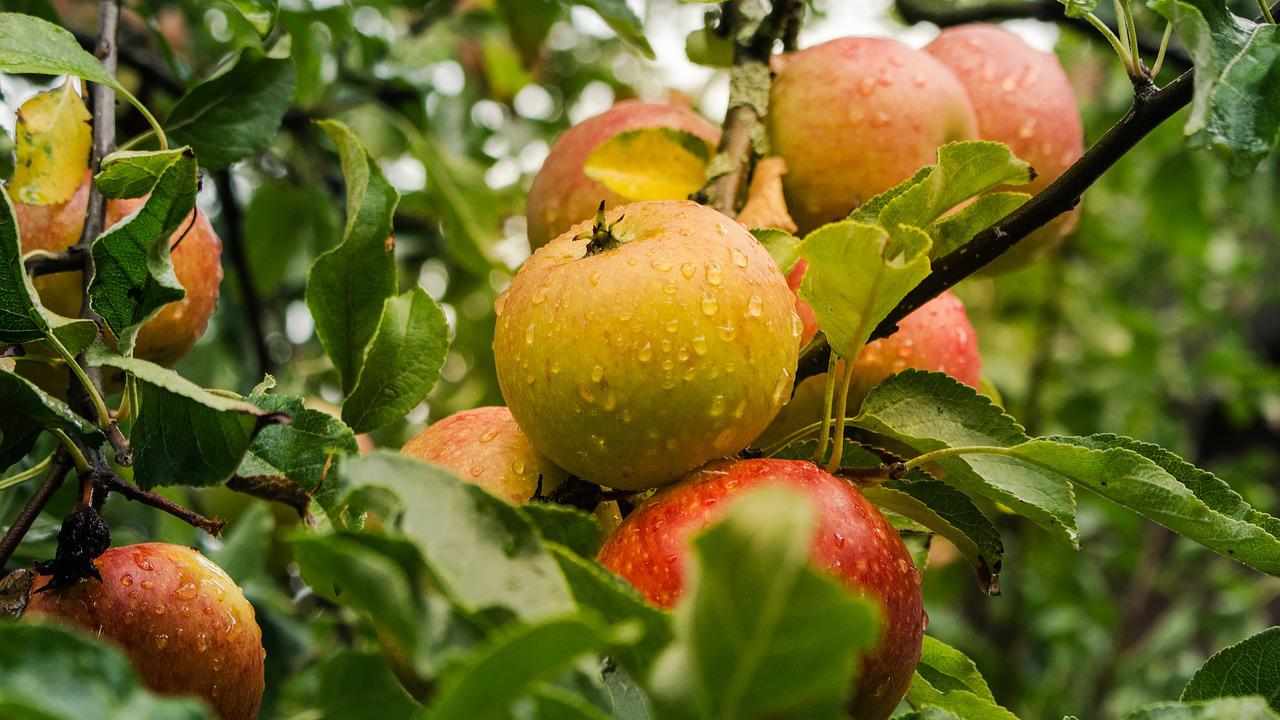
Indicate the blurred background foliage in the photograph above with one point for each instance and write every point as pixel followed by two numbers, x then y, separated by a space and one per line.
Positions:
pixel 1158 320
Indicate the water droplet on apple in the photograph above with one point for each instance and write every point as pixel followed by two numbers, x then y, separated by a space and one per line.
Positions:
pixel 713 274
pixel 699 344
pixel 717 406
pixel 709 304
pixel 755 306
pixel 597 373
pixel 688 270
pixel 739 258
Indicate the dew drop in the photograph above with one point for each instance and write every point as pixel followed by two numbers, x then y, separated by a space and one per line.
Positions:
pixel 669 289
pixel 162 640
pixel 488 436
pixel 866 87
pixel 599 442
pixel 528 334
pixel 202 642
pixel 709 304
pixel 661 265
pixel 585 392
pixel 673 325
pixel 717 406
pixel 186 592
pixel 727 331
pixel 610 402
pixel 142 562
pixel 1027 129
pixel 688 270
pixel 755 306
pixel 126 580
pixel 880 119
pixel 739 258
pixel 540 296
pixel 518 467
pixel 476 471
pixel 594 279
pixel 147 584
pixel 645 354
pixel 597 373
pixel 555 367
pixel 699 344
pixel 713 274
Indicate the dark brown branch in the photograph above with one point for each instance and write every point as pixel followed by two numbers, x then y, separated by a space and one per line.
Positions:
pixel 234 239
pixel 1149 110
pixel 112 482
pixel 46 263
pixel 913 11
pixel 274 489
pixel 13 537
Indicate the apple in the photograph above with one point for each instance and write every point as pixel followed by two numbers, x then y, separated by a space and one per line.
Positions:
pixel 1022 98
pixel 197 253
pixel 184 624
pixel 638 348
pixel 485 446
pixel 855 116
pixel 562 195
pixel 853 542
pixel 937 337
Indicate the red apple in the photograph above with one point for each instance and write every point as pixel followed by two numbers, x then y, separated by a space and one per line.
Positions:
pixel 1023 99
pixel 855 116
pixel 853 541
pixel 184 624
pixel 485 446
pixel 562 195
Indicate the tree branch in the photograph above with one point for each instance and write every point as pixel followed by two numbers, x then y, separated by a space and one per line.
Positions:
pixel 234 239
pixel 1150 108
pixel 111 481
pixel 744 120
pixel 16 532
pixel 913 11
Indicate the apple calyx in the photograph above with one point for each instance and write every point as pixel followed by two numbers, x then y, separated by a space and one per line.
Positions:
pixel 601 237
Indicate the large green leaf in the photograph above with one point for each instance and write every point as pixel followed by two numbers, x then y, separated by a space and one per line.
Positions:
pixel 27 409
pixel 261 14
pixel 22 317
pixel 967 703
pixel 1242 708
pixel 184 434
pixel 300 450
pixel 857 274
pixel 133 273
pixel 946 668
pixel 236 112
pixel 497 673
pixel 929 411
pixel 1236 108
pixel 31 45
pixel 349 285
pixel 482 552
pixel 48 672
pixel 759 633
pixel 1250 667
pixel 362 686
pixel 402 363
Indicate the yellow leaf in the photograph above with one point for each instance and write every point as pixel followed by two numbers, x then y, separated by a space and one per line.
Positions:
pixel 52 142
pixel 650 164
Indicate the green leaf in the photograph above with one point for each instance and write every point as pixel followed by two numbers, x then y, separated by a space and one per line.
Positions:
pixel 300 450
pixel 964 170
pixel 605 594
pixel 760 634
pixel 1236 108
pixel 1243 708
pixel 656 163
pixel 346 569
pixel 31 45
pixel 1079 8
pixel 856 275
pixel 528 22
pixel 349 285
pixel 22 318
pixel 27 409
pixel 965 704
pixel 949 669
pixel 184 434
pixel 928 411
pixel 133 273
pixel 576 530
pixel 49 672
pixel 362 686
pixel 783 247
pixel 402 363
pixel 1163 489
pixel 557 703
pixel 951 514
pixel 468 239
pixel 500 671
pixel 1250 667
pixel 237 112
pixel 261 14
pixel 246 545
pixel 618 16
pixel 929 712
pixel 956 229
pixel 482 552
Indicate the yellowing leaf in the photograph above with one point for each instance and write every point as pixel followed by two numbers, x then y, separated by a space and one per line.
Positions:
pixel 650 164
pixel 52 146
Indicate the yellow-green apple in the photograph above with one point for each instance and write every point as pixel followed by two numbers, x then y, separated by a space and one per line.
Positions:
pixel 485 446
pixel 853 541
pixel 184 624
pixel 937 337
pixel 562 195
pixel 197 253
pixel 1022 98
pixel 638 348
pixel 855 116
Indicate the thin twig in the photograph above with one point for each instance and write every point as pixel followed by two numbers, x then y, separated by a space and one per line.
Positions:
pixel 234 239
pixel 1054 11
pixel 22 524
pixel 1150 108
pixel 110 481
